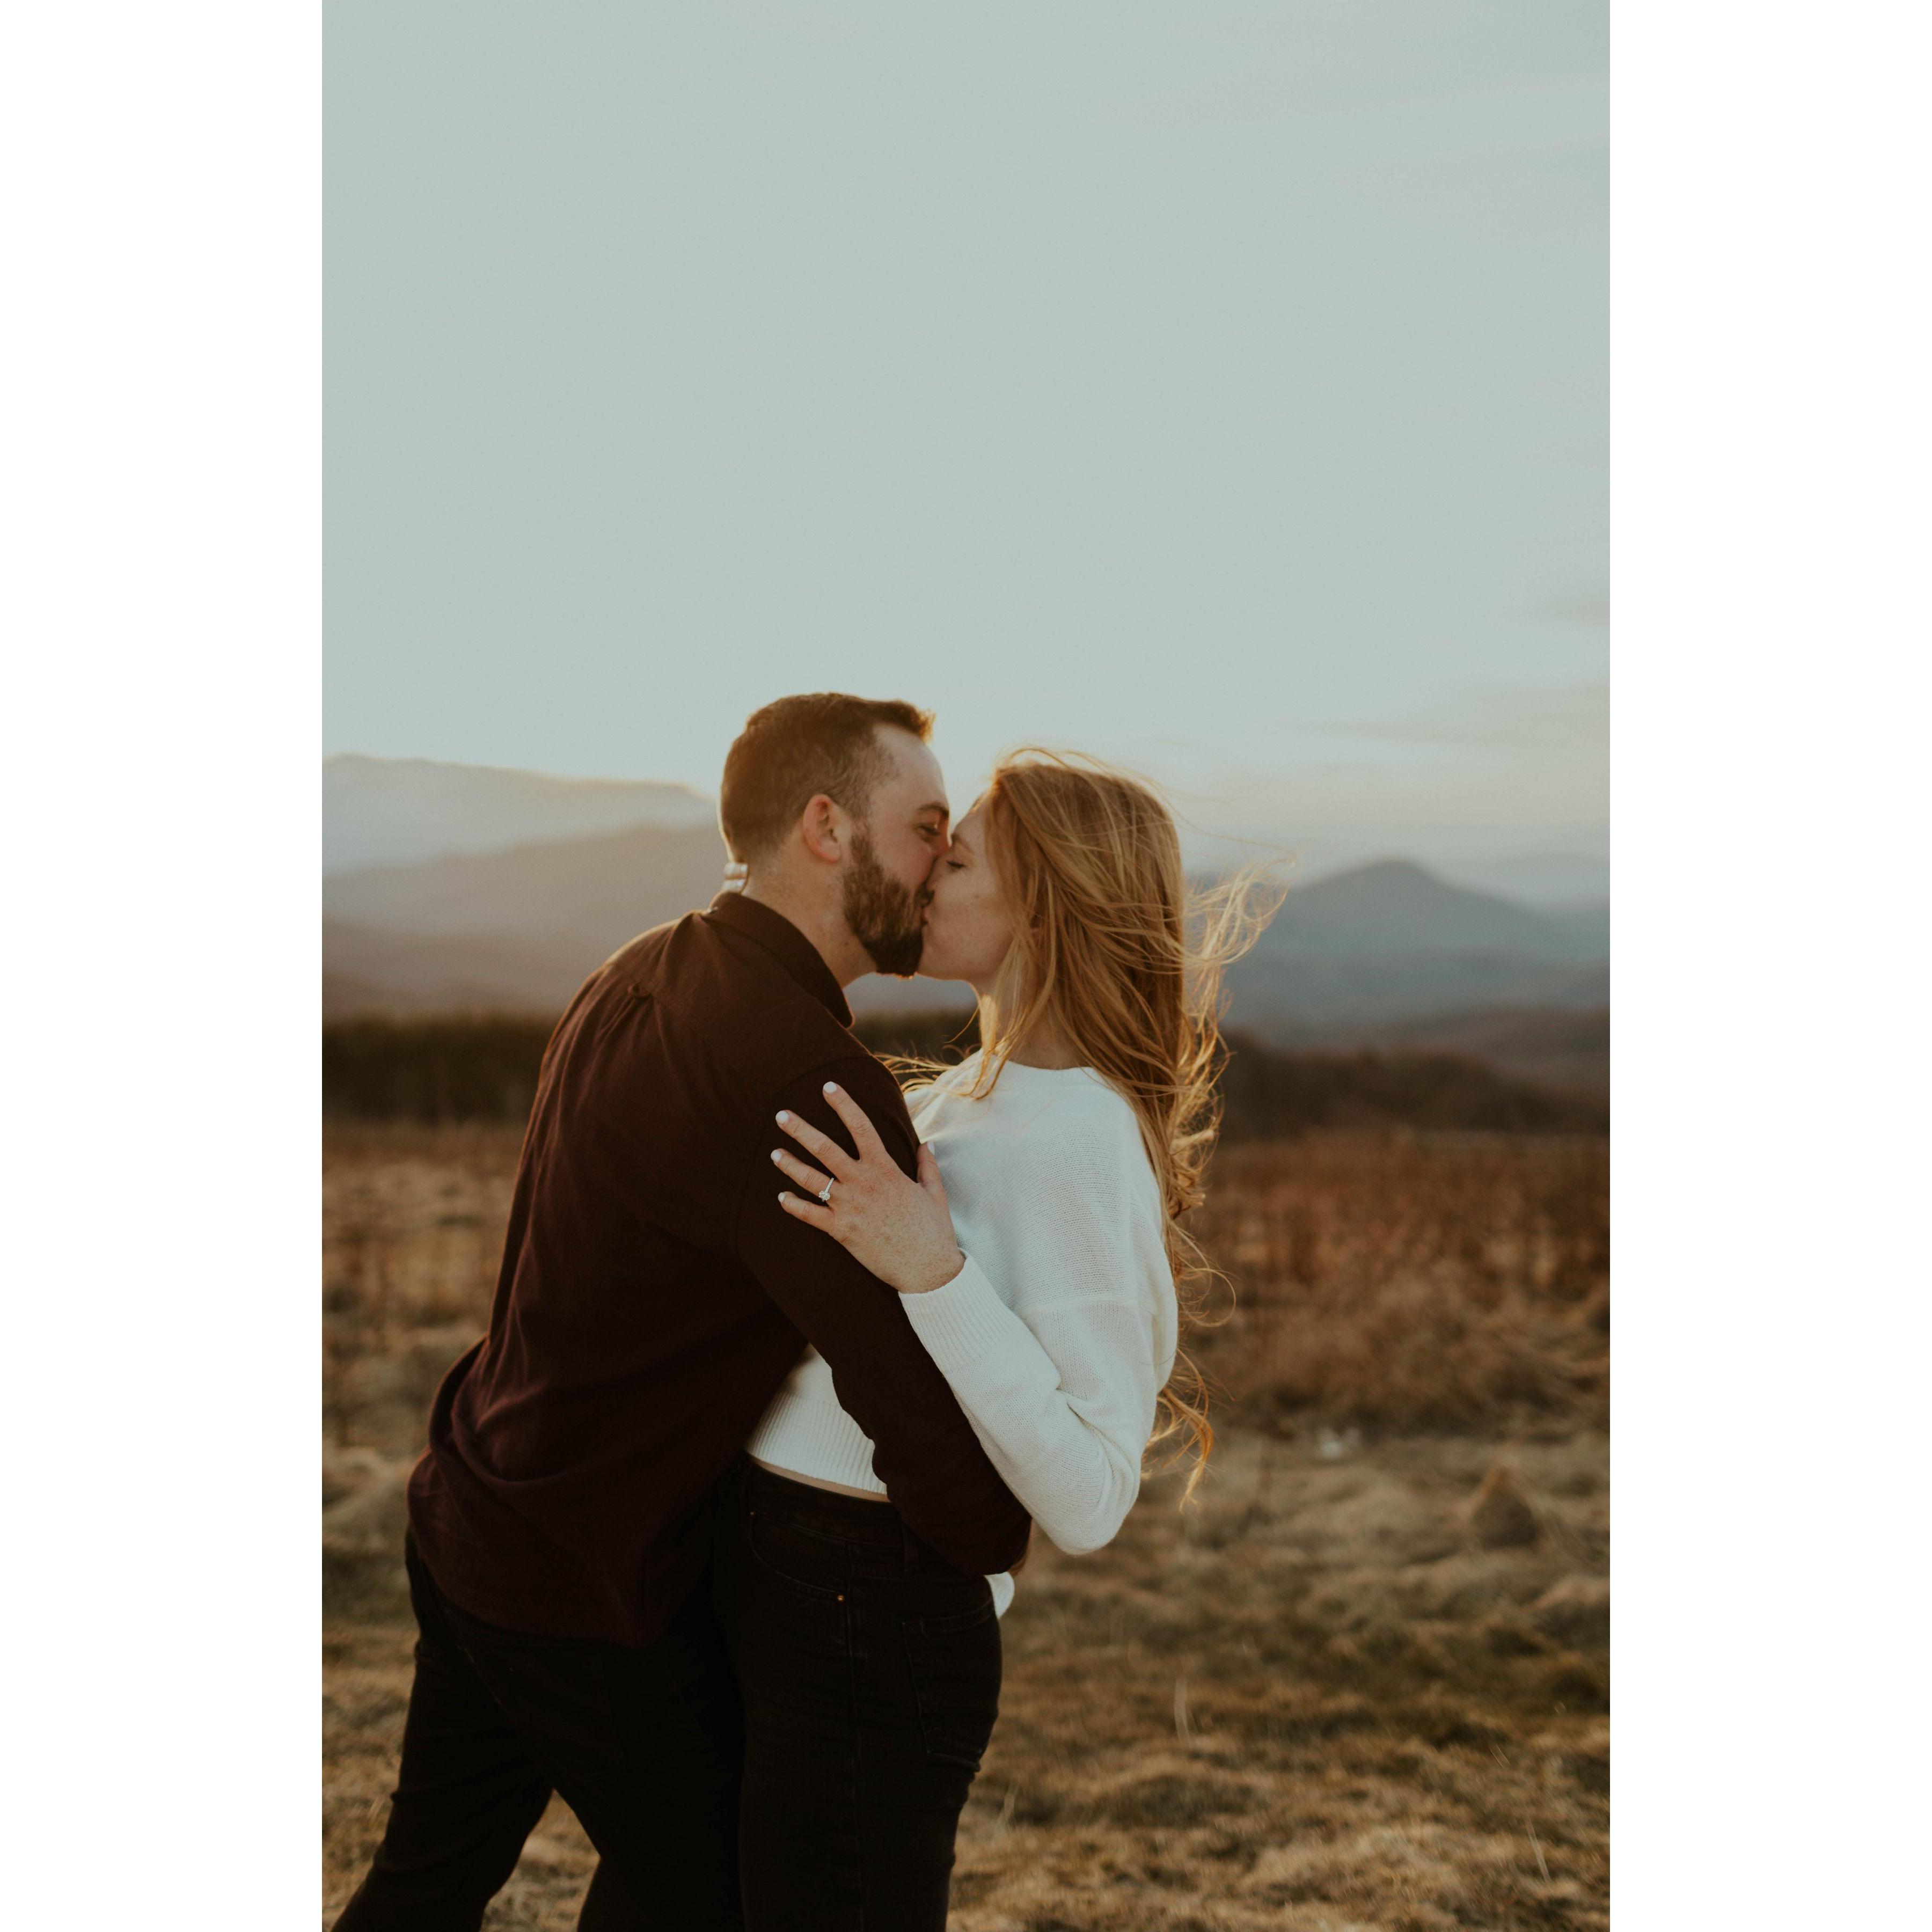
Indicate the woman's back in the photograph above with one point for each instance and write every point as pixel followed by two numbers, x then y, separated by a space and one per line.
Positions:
pixel 1060 1333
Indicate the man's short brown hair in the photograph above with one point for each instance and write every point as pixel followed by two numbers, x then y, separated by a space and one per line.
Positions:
pixel 795 747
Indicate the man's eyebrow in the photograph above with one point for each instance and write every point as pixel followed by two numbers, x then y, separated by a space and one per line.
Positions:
pixel 944 810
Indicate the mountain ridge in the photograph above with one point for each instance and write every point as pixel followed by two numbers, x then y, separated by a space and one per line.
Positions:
pixel 404 811
pixel 518 930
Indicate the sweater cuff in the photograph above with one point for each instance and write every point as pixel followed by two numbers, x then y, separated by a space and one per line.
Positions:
pixel 962 1321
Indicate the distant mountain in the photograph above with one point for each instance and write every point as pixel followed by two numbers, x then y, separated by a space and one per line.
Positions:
pixel 1557 881
pixel 515 931
pixel 1589 925
pixel 385 812
pixel 1395 905
pixel 1570 1050
pixel 608 885
pixel 368 969
pixel 1392 942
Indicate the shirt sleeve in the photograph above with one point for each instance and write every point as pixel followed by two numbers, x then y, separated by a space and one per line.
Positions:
pixel 924 1450
pixel 1061 1388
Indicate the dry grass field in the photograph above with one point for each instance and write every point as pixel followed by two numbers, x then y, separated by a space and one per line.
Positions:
pixel 1360 1681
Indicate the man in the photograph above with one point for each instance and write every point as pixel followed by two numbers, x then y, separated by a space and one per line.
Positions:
pixel 653 1296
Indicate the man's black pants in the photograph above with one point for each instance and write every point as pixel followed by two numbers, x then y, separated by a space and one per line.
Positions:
pixel 643 1745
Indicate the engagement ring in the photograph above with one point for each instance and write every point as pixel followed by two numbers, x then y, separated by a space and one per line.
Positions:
pixel 825 1198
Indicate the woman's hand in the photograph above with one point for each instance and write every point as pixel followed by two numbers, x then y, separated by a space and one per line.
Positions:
pixel 901 1230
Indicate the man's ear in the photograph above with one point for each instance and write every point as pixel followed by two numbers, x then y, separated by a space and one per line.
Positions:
pixel 825 829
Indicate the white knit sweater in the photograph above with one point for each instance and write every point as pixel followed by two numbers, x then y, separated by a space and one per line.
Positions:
pixel 1057 1334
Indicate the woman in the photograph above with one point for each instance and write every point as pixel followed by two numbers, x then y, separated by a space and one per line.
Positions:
pixel 1046 1275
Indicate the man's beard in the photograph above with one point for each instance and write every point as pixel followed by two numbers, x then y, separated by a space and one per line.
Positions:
pixel 886 917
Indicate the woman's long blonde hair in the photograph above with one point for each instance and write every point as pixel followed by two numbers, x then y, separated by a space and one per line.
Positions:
pixel 1113 949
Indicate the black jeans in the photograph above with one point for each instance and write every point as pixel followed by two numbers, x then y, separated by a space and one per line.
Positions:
pixel 643 1745
pixel 869 1673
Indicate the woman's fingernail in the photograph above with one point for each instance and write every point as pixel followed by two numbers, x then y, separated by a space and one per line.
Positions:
pixel 831 1087
pixel 784 1119
pixel 776 1155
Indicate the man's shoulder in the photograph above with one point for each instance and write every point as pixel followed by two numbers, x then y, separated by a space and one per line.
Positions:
pixel 856 1068
pixel 742 1009
pixel 635 965
pixel 773 1048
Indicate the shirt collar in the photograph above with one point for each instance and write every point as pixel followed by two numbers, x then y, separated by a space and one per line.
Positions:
pixel 787 944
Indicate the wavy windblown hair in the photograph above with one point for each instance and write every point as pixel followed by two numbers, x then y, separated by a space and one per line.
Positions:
pixel 1111 947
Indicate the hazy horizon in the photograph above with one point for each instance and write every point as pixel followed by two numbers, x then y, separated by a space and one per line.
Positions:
pixel 373 835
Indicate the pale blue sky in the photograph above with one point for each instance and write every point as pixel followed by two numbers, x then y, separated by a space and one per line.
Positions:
pixel 1222 389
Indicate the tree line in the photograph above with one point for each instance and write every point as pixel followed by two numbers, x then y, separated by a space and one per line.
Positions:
pixel 485 1069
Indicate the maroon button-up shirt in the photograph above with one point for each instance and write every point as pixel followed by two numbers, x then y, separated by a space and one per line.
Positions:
pixel 654 1295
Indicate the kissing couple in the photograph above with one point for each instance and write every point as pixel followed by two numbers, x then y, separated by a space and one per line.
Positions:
pixel 717 1523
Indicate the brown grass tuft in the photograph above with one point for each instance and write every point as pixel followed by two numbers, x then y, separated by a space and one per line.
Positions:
pixel 1502 1513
